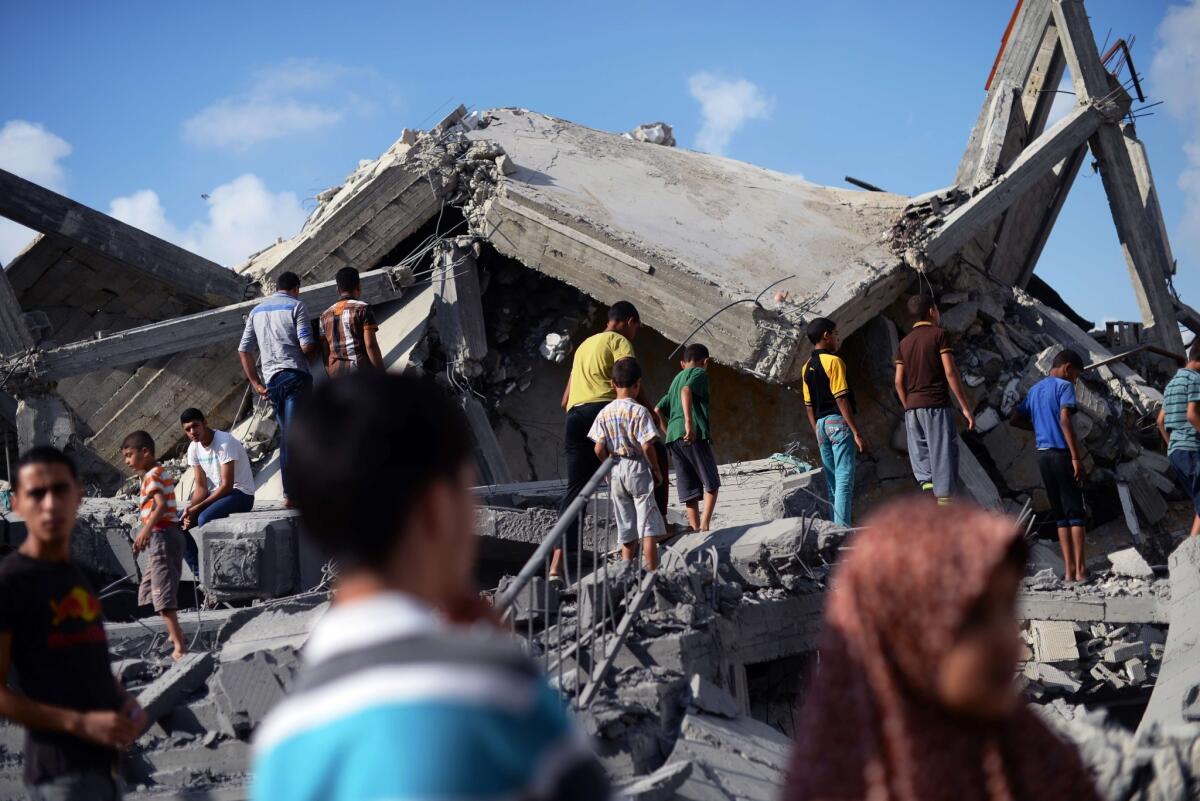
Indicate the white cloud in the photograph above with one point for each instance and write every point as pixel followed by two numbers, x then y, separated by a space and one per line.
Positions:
pixel 1175 72
pixel 294 97
pixel 725 105
pixel 243 217
pixel 27 149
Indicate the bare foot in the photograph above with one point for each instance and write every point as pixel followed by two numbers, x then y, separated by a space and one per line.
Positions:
pixel 1082 575
pixel 287 503
pixel 178 654
pixel 1068 577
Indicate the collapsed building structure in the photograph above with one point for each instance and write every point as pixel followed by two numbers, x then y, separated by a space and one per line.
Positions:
pixel 490 244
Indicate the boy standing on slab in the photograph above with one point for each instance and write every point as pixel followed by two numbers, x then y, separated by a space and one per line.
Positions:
pixel 926 375
pixel 625 429
pixel 830 404
pixel 683 414
pixel 160 536
pixel 1048 407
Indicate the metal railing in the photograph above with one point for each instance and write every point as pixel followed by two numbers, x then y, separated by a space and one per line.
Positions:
pixel 578 642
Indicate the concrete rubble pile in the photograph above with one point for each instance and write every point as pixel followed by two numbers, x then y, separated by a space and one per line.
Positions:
pixel 490 246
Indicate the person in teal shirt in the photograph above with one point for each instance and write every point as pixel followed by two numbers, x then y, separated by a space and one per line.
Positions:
pixel 683 413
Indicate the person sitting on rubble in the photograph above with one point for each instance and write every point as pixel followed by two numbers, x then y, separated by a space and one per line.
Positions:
pixel 278 328
pixel 829 402
pixel 624 429
pixel 1047 409
pixel 76 714
pixel 589 389
pixel 222 479
pixel 683 414
pixel 1179 425
pixel 405 689
pixel 914 698
pixel 348 329
pixel 926 375
pixel 159 535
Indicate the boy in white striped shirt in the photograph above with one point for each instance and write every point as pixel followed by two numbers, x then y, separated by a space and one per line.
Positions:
pixel 625 429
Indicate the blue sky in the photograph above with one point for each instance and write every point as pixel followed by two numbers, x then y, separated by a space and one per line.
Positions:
pixel 143 108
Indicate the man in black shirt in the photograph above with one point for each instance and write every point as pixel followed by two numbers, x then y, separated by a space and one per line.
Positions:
pixel 75 712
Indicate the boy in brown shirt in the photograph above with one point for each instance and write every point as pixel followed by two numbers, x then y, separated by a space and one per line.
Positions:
pixel 926 375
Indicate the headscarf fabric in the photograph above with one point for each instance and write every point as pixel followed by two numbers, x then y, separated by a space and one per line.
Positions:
pixel 870 727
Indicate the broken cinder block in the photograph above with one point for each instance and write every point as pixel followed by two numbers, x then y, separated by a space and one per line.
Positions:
pixel 180 680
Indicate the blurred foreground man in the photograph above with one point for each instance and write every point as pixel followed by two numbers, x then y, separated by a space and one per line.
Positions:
pixel 74 710
pixel 406 692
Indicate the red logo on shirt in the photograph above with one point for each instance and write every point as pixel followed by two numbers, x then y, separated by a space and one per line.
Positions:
pixel 79 604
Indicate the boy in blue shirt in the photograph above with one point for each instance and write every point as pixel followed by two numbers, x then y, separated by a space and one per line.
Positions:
pixel 1048 407
pixel 1179 424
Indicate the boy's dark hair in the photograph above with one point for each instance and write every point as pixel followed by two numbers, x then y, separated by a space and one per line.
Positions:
pixel 1068 356
pixel 191 415
pixel 347 279
pixel 818 328
pixel 362 451
pixel 1194 350
pixel 626 373
pixel 138 440
pixel 919 306
pixel 695 352
pixel 623 310
pixel 43 454
pixel 287 281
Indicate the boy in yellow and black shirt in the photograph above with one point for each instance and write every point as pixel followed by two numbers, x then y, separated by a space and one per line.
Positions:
pixel 830 404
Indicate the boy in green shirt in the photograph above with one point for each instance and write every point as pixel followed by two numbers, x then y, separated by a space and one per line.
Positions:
pixel 683 414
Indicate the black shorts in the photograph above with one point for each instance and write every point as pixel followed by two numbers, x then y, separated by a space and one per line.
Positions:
pixel 695 469
pixel 1066 496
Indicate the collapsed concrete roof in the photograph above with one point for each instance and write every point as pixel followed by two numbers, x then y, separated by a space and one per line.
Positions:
pixel 684 234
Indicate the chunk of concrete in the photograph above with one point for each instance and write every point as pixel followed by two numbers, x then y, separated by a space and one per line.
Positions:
pixel 247 688
pixel 1054 641
pixel 265 628
pixel 761 554
pixel 1129 562
pixel 178 682
pixel 1103 673
pixel 1123 651
pixel 1135 669
pixel 252 555
pixel 708 697
pixel 1051 677
pixel 537 600
pixel 659 785
pixel 198 717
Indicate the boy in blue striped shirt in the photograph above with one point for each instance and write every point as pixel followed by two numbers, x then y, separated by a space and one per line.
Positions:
pixel 393 700
pixel 1179 425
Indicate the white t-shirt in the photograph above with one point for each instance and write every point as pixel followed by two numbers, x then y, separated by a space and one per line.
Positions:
pixel 224 448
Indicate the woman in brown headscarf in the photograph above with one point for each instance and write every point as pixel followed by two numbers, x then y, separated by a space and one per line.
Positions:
pixel 914 699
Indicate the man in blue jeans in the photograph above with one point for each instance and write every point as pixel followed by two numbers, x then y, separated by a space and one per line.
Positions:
pixel 830 404
pixel 279 329
pixel 223 481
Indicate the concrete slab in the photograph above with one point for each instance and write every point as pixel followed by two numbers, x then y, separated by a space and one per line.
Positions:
pixel 245 689
pixel 732 759
pixel 282 625
pixel 769 554
pixel 1054 641
pixel 686 233
pixel 252 555
pixel 1180 669
pixel 180 680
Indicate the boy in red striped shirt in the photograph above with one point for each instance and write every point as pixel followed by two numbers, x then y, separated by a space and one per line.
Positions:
pixel 160 536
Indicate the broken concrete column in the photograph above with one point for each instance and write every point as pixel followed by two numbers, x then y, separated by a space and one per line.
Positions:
pixel 180 680
pixel 252 555
pixel 44 419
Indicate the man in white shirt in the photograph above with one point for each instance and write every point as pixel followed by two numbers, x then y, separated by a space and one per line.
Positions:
pixel 223 481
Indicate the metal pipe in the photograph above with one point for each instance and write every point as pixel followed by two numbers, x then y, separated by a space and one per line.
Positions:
pixel 551 540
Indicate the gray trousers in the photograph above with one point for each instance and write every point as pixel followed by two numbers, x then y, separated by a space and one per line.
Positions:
pixel 77 787
pixel 933 449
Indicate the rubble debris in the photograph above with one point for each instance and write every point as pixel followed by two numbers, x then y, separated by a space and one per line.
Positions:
pixel 176 683
pixel 656 133
pixel 1130 563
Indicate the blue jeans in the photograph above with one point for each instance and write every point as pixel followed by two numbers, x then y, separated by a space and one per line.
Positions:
pixel 233 503
pixel 838 455
pixel 286 389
